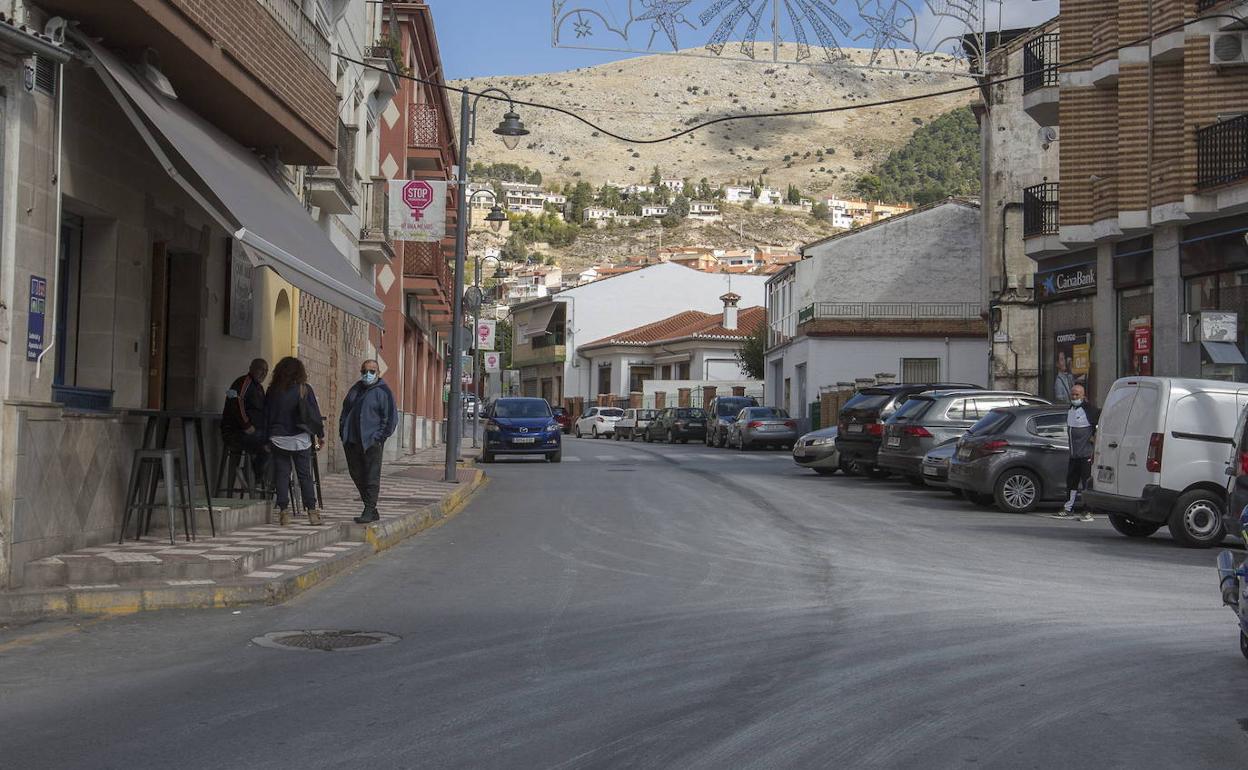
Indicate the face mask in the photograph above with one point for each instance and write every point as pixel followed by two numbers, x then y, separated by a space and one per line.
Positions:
pixel 1076 402
pixel 369 377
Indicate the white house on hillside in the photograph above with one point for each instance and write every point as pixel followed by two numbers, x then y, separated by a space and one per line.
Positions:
pixel 548 332
pixel 655 210
pixel 738 194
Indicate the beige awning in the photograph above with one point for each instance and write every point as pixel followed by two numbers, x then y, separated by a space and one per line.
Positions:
pixel 533 322
pixel 237 190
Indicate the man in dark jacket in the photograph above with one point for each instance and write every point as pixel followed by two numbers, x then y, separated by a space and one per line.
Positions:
pixel 1081 420
pixel 242 417
pixel 368 418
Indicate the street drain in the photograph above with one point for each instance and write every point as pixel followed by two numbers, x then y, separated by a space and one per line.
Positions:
pixel 326 640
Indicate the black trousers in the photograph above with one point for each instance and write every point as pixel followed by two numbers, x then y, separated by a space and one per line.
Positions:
pixel 365 468
pixel 1078 473
pixel 256 444
pixel 302 462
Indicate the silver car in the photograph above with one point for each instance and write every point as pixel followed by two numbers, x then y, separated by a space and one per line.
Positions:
pixel 817 451
pixel 933 417
pixel 936 466
pixel 762 426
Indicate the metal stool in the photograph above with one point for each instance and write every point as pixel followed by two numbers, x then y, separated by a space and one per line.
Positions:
pixel 296 494
pixel 148 468
pixel 235 474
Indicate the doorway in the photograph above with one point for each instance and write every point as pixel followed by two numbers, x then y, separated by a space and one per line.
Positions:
pixel 176 336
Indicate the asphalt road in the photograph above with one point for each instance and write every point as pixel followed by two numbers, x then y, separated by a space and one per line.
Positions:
pixel 675 606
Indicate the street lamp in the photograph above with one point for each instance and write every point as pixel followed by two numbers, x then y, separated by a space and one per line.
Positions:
pixel 476 322
pixel 510 129
pixel 496 217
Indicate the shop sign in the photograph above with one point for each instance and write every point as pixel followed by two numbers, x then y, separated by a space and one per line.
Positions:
pixel 485 335
pixel 1073 350
pixel 1141 346
pixel 1219 327
pixel 1077 279
pixel 35 316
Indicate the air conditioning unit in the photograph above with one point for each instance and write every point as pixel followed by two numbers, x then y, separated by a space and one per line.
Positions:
pixel 996 284
pixel 1228 49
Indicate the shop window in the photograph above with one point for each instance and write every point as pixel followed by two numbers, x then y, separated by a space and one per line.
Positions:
pixel 1066 347
pixel 1226 291
pixel 1135 332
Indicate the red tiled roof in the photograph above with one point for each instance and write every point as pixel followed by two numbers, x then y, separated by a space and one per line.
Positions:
pixel 686 325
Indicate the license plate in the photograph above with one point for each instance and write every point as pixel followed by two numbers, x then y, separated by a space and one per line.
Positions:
pixel 525 440
pixel 894 440
pixel 930 471
pixel 855 429
pixel 1105 475
pixel 964 454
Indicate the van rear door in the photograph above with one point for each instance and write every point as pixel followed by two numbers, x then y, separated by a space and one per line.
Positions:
pixel 1109 435
pixel 1148 412
pixel 1198 437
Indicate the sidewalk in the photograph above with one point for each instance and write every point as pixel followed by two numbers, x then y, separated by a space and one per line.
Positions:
pixel 250 560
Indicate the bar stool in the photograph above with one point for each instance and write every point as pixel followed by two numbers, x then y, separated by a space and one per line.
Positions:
pixel 235 474
pixel 148 468
pixel 296 494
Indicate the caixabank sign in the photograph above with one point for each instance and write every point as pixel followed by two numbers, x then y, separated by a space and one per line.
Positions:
pixel 1066 281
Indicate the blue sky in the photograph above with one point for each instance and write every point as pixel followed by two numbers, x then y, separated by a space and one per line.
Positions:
pixel 512 37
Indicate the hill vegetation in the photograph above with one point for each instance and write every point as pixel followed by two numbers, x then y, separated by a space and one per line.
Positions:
pixel 941 159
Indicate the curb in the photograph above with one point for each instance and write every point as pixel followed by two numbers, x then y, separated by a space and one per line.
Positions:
pixel 38 604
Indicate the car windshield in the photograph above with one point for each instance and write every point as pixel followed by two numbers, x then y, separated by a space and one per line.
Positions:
pixel 728 407
pixel 609 412
pixel 646 414
pixel 768 412
pixel 690 414
pixel 912 410
pixel 866 402
pixel 993 422
pixel 522 408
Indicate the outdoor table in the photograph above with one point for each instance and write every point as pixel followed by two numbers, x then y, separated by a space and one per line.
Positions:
pixel 156 433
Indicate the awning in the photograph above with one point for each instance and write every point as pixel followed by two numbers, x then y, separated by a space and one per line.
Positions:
pixel 1224 353
pixel 267 219
pixel 533 322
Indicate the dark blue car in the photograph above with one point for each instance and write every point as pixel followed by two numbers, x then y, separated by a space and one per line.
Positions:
pixel 522 426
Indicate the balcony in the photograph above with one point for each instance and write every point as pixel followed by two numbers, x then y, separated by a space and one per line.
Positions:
pixel 259 71
pixel 381 76
pixel 425 139
pixel 525 355
pixel 332 188
pixel 1222 153
pixel 375 244
pixel 1040 93
pixel 1040 220
pixel 427 281
pixel 889 311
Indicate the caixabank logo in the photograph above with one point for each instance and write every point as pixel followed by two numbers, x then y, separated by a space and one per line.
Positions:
pixel 1077 279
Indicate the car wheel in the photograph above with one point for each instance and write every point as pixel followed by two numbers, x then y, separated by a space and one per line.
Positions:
pixel 982 499
pixel 741 445
pixel 874 472
pixel 1196 521
pixel 578 430
pixel 1017 491
pixel 593 433
pixel 670 438
pixel 684 441
pixel 615 435
pixel 848 467
pixel 1243 644
pixel 487 457
pixel 916 481
pixel 825 471
pixel 956 492
pixel 556 456
pixel 1130 527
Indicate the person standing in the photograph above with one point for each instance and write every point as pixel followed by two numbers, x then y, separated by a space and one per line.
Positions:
pixel 368 418
pixel 1064 381
pixel 242 417
pixel 1081 420
pixel 296 428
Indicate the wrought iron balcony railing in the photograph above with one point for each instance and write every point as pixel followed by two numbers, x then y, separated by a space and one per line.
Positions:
pixel 423 130
pixel 1040 207
pixel 301 28
pixel 1222 152
pixel 905 311
pixel 1040 59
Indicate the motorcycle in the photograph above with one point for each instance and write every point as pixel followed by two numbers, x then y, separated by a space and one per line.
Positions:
pixel 1234 584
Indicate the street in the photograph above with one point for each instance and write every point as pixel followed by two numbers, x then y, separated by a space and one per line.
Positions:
pixel 649 605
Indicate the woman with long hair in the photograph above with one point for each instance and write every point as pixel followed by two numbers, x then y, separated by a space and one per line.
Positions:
pixel 296 428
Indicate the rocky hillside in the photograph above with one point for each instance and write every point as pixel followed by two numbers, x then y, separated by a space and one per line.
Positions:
pixel 656 95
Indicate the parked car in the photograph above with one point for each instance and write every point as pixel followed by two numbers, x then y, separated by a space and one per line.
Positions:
pixel 936 466
pixel 1237 484
pixel 1015 457
pixel 563 418
pixel 677 423
pixel 521 426
pixel 817 450
pixel 597 421
pixel 929 419
pixel 633 423
pixel 470 405
pixel 1161 455
pixel 861 421
pixel 721 413
pixel 762 426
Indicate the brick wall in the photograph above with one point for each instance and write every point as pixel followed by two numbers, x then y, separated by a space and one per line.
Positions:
pixel 253 38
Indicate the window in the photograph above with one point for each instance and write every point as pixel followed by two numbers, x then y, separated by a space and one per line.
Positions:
pixel 683 371
pixel 638 375
pixel 920 370
pixel 666 372
pixel 604 380
pixel 1048 426
pixel 994 422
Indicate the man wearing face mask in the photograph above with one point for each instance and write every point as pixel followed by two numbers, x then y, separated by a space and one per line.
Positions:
pixel 1081 421
pixel 368 418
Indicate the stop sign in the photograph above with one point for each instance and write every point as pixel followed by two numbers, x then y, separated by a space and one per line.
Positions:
pixel 418 195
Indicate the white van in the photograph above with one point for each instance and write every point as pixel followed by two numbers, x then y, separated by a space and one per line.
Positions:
pixel 1162 448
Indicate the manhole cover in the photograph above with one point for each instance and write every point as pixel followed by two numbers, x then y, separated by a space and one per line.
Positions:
pixel 325 640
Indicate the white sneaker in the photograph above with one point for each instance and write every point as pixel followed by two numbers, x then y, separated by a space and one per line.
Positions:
pixel 1064 514
pixel 1087 517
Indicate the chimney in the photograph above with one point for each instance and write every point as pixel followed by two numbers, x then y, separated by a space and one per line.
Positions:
pixel 730 301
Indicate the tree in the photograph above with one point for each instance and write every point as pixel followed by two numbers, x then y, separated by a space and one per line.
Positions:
pixel 753 352
pixel 579 197
pixel 793 195
pixel 502 341
pixel 819 211
pixel 705 191
pixel 515 249
pixel 656 177
pixel 679 207
pixel 609 196
pixel 940 159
